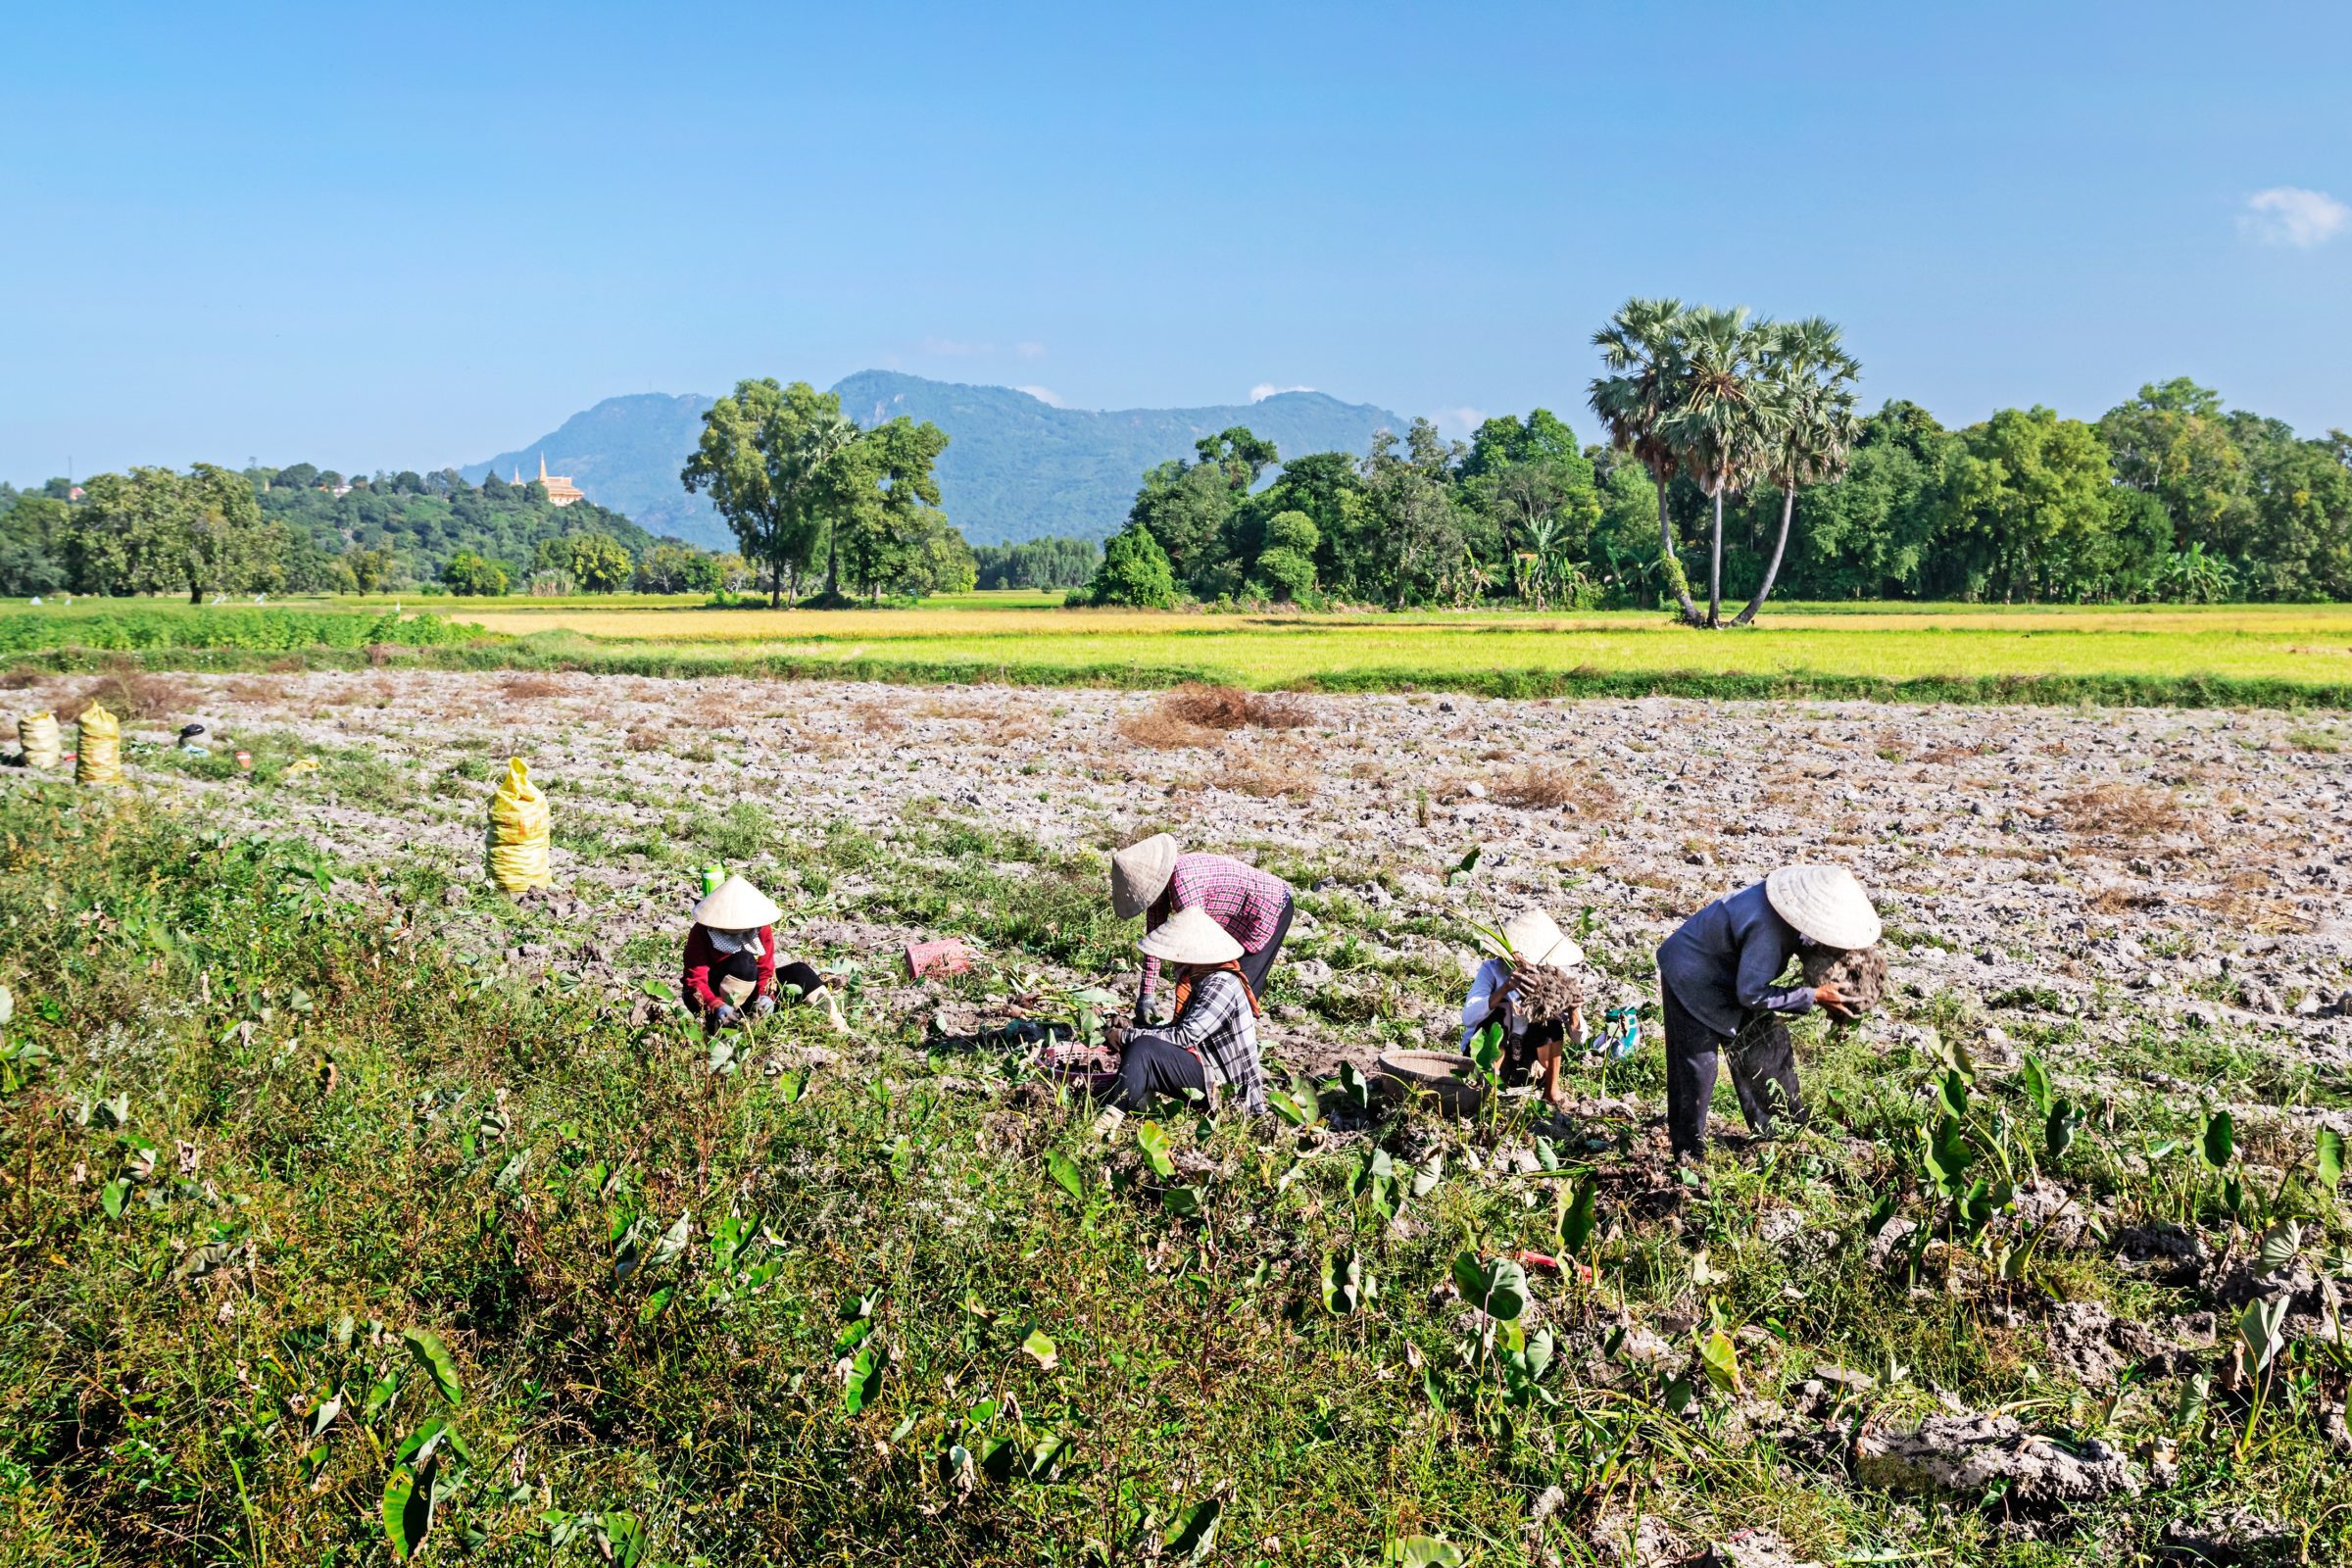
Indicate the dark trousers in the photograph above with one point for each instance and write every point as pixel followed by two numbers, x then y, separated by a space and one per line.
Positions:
pixel 741 966
pixel 1149 1068
pixel 1256 967
pixel 1763 1073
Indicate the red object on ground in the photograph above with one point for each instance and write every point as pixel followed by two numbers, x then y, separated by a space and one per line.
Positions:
pixel 245 761
pixel 1541 1260
pixel 944 956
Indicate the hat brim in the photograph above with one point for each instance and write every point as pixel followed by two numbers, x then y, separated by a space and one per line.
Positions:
pixel 1826 903
pixel 1140 873
pixel 736 906
pixel 1190 937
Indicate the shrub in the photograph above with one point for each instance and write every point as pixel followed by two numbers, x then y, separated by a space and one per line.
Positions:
pixel 1134 573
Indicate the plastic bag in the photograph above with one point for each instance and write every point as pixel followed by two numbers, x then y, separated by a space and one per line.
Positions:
pixel 518 832
pixel 38 734
pixel 100 753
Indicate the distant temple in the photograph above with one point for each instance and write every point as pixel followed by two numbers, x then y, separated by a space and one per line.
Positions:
pixel 561 491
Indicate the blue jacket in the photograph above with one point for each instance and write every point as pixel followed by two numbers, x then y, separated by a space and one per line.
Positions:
pixel 1722 963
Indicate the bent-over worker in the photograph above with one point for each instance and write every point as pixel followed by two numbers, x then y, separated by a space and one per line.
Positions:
pixel 1720 977
pixel 730 968
pixel 1154 879
pixel 1211 1047
pixel 1534 938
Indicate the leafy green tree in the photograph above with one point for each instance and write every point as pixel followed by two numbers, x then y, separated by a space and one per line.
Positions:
pixel 1057 563
pixel 1135 572
pixel 369 569
pixel 1534 486
pixel 1184 506
pixel 599 562
pixel 892 536
pixel 473 575
pixel 156 531
pixel 2174 442
pixel 1240 454
pixel 33 533
pixel 1643 345
pixel 1286 566
pixel 1410 501
pixel 1328 489
pixel 2025 492
pixel 766 472
pixel 1809 379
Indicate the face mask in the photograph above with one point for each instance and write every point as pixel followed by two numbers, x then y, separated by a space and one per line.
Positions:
pixel 732 941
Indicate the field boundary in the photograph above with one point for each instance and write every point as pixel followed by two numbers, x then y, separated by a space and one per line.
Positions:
pixel 673 662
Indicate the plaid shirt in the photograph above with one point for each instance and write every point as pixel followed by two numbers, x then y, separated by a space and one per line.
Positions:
pixel 1247 902
pixel 1220 1027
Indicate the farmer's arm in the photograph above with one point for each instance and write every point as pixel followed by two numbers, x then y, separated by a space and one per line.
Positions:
pixel 1761 961
pixel 767 962
pixel 697 978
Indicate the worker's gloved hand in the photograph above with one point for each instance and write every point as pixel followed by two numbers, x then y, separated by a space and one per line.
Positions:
pixel 1143 1013
pixel 728 1014
pixel 762 1006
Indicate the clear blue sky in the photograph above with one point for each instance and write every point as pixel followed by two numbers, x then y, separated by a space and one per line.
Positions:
pixel 413 235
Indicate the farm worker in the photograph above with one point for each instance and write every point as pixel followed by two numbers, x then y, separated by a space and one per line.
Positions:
pixel 731 969
pixel 1211 1047
pixel 1720 974
pixel 1534 940
pixel 1157 881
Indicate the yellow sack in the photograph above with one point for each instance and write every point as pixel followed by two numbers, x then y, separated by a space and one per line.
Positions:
pixel 518 832
pixel 99 756
pixel 37 733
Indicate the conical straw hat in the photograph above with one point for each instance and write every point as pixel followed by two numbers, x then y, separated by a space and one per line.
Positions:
pixel 1190 936
pixel 1823 902
pixel 1139 874
pixel 1535 937
pixel 737 905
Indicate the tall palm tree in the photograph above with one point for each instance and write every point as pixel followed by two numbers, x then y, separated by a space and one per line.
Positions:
pixel 1811 377
pixel 1643 344
pixel 1725 416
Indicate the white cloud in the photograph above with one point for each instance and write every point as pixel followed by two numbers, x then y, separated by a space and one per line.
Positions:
pixel 2288 215
pixel 1030 351
pixel 1043 394
pixel 1267 389
pixel 955 348
pixel 1461 422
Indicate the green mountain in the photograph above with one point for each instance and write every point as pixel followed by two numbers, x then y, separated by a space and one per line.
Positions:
pixel 1016 467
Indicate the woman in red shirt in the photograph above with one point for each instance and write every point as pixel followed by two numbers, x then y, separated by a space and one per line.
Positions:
pixel 730 969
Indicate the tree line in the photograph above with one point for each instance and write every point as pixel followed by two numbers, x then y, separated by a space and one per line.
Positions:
pixel 310 530
pixel 1734 464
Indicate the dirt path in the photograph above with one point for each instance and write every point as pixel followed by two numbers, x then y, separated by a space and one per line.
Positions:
pixel 2189 867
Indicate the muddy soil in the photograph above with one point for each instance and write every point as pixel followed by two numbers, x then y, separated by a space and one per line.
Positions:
pixel 2113 867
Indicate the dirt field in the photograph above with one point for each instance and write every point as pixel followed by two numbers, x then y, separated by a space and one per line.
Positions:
pixel 2078 872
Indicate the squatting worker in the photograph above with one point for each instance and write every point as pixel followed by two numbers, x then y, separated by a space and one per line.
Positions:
pixel 1157 881
pixel 1528 1045
pixel 1720 975
pixel 1211 1045
pixel 731 972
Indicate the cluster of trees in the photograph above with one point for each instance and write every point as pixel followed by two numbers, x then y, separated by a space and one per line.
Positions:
pixel 306 530
pixel 1037 564
pixel 801 484
pixel 1739 439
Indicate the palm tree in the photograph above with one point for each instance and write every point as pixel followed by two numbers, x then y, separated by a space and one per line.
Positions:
pixel 1643 344
pixel 1725 416
pixel 1810 373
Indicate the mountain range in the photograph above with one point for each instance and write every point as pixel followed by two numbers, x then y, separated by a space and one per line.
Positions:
pixel 1016 467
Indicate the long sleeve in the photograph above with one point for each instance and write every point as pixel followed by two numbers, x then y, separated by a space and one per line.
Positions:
pixel 1760 964
pixel 1481 1000
pixel 1219 1027
pixel 767 961
pixel 695 980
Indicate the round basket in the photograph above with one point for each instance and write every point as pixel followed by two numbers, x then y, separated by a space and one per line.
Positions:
pixel 1443 1073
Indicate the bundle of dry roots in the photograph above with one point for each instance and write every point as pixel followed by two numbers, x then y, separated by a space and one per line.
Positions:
pixel 1860 975
pixel 1546 994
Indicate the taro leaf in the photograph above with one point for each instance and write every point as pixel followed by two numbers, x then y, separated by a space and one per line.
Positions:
pixel 1064 1170
pixel 721 1061
pixel 1194 1535
pixel 2263 1327
pixel 325 1417
pixel 1498 1287
pixel 408 1511
pixel 430 1354
pixel 866 1376
pixel 1154 1140
pixel 1578 1213
pixel 1703 1273
pixel 997 1456
pixel 1721 1360
pixel 1952 1094
pixel 202 1261
pixel 2220 1139
pixel 1346 1284
pixel 511 1173
pixel 1290 1107
pixel 2036 1081
pixel 672 1244
pixel 1679 1395
pixel 630 1252
pixel 2279 1245
pixel 2233 1195
pixel 660 991
pixel 2058 1131
pixel 1485 1049
pixel 623 1538
pixel 790 1085
pixel 2190 1409
pixel 1045 1456
pixel 1423 1551
pixel 1041 1348
pixel 2332 1158
pixel 1428 1174
pixel 1547 1154
pixel 111 1196
pixel 1356 1086
pixel 1183 1200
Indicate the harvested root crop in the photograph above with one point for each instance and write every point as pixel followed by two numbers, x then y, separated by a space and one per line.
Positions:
pixel 1546 993
pixel 1860 976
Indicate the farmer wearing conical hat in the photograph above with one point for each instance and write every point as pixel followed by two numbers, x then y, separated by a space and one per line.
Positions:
pixel 1720 974
pixel 1211 1047
pixel 731 972
pixel 1535 940
pixel 1155 880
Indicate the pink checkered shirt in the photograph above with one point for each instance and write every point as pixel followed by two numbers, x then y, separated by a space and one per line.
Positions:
pixel 1247 902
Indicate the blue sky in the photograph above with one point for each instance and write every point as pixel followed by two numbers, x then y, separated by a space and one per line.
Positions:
pixel 408 235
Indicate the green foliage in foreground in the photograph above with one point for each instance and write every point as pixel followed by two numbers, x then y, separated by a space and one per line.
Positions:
pixel 325 1247
pixel 148 626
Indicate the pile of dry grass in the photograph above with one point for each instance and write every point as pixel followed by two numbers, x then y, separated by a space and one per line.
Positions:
pixel 2131 811
pixel 1555 786
pixel 1265 778
pixel 1162 731
pixel 528 688
pixel 128 692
